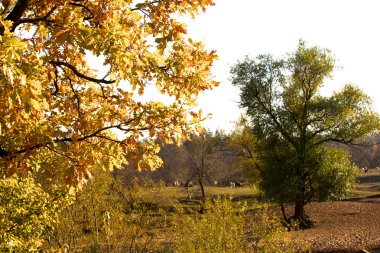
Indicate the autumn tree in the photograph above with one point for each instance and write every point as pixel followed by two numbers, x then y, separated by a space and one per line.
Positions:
pixel 58 112
pixel 294 124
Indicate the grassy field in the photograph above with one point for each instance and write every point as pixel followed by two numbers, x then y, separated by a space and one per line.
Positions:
pixel 190 197
pixel 368 185
pixel 353 222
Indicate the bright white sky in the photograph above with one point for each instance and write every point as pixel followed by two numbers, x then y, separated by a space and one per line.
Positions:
pixel 235 28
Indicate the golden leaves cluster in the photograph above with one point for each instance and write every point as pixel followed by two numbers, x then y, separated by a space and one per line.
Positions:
pixel 60 116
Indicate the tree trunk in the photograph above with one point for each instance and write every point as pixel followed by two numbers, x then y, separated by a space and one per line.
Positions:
pixel 284 213
pixel 202 189
pixel 300 217
pixel 298 211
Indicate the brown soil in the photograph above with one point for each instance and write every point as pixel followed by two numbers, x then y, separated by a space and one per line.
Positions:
pixel 345 226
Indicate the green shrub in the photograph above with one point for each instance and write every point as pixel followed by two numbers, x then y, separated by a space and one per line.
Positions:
pixel 232 227
pixel 27 213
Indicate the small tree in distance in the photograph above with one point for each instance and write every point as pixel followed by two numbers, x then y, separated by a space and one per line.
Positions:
pixel 293 124
pixel 203 157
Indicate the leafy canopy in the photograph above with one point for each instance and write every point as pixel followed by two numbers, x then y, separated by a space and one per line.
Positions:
pixel 293 124
pixel 56 111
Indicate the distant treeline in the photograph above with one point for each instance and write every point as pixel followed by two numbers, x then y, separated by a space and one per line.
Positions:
pixel 222 161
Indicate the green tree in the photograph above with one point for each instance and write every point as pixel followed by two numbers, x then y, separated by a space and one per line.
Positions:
pixel 59 113
pixel 293 124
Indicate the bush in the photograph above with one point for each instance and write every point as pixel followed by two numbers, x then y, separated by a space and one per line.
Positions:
pixel 27 213
pixel 108 216
pixel 231 227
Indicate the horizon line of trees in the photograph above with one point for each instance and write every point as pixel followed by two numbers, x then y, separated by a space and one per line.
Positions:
pixel 228 158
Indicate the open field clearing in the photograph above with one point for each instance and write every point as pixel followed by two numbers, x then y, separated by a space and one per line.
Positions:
pixel 341 226
pixel 151 217
pixel 369 185
pixel 190 194
pixel 351 225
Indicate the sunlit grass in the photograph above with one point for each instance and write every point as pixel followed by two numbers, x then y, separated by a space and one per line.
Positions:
pixel 368 185
pixel 180 196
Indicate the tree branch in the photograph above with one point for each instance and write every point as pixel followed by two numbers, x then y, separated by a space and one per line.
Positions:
pixel 96 134
pixel 17 11
pixel 140 9
pixel 10 154
pixel 77 98
pixel 15 15
pixel 80 75
pixel 35 20
pixel 55 83
pixel 20 8
pixel 85 8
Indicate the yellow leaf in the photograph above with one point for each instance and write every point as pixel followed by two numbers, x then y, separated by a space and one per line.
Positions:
pixel 35 104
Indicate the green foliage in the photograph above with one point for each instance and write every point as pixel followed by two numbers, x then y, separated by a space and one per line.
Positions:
pixel 219 229
pixel 27 213
pixel 278 174
pixel 337 177
pixel 243 143
pixel 226 227
pixel 330 175
pixel 293 123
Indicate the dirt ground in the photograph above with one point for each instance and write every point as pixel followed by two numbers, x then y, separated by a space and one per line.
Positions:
pixel 347 226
